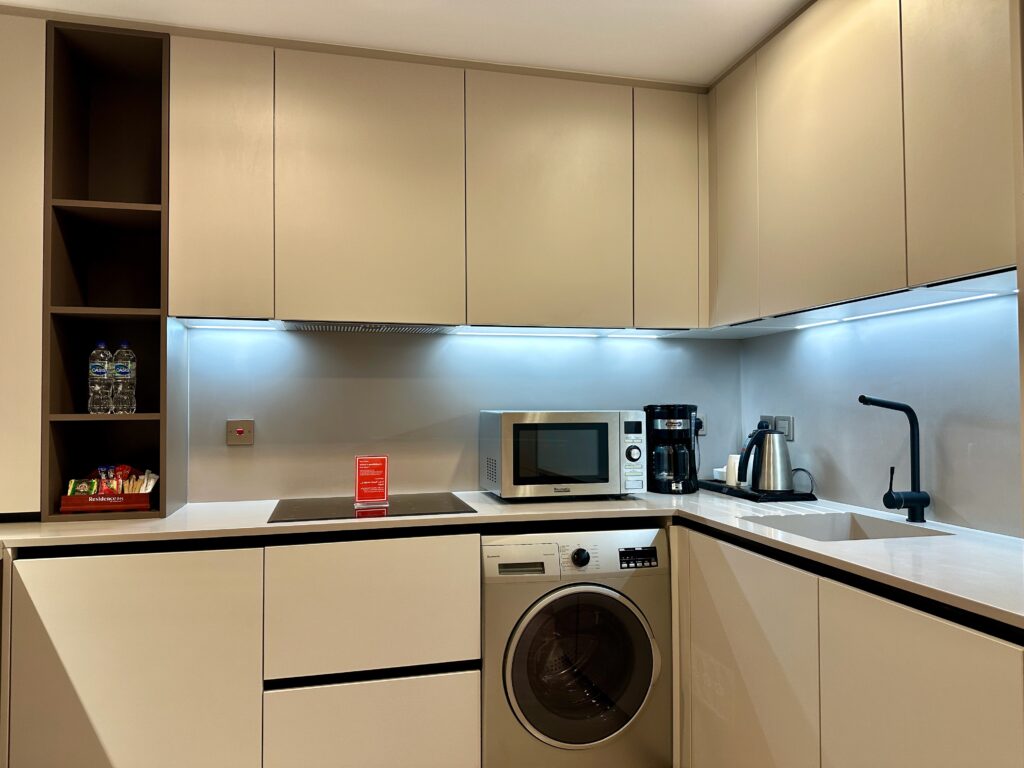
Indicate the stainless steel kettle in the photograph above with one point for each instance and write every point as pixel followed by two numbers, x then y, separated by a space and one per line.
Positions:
pixel 767 454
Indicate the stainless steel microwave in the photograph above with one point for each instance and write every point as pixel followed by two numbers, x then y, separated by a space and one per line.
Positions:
pixel 537 454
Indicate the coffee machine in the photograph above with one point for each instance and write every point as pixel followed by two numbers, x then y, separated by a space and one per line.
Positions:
pixel 673 450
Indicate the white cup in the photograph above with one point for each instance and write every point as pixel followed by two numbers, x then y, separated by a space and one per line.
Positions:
pixel 732 470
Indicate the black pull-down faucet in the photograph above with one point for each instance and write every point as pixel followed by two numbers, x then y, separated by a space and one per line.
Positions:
pixel 914 500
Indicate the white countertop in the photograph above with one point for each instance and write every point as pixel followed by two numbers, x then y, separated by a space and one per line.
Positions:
pixel 977 571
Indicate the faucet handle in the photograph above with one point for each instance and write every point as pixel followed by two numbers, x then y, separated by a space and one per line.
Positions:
pixel 892 475
pixel 891 499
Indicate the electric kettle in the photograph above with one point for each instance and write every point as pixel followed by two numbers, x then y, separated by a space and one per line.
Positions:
pixel 767 455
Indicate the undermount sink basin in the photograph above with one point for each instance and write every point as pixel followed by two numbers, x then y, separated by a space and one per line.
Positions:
pixel 842 526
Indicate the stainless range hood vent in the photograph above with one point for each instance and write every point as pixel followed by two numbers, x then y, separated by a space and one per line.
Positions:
pixel 321 327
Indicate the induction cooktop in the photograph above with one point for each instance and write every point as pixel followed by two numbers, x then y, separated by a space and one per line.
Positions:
pixel 343 507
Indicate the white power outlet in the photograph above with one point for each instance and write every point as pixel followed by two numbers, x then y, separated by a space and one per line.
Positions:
pixel 787 426
pixel 702 430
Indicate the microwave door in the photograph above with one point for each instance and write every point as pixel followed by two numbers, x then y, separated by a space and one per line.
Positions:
pixel 564 458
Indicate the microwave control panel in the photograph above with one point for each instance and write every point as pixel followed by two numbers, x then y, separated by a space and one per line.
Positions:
pixel 633 443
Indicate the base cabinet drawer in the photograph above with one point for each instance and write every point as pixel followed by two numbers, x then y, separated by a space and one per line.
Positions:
pixel 414 722
pixel 366 605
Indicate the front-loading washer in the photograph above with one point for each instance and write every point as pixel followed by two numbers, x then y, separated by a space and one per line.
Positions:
pixel 577 650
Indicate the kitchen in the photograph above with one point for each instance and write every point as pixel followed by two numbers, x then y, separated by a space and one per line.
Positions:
pixel 323 242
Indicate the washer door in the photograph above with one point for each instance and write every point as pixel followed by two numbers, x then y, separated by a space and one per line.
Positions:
pixel 580 666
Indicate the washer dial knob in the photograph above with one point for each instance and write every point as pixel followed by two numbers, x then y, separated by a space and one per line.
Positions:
pixel 633 453
pixel 580 557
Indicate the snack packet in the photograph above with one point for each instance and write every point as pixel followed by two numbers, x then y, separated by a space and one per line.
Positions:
pixel 82 487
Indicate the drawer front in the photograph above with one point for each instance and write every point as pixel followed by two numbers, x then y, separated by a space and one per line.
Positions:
pixel 364 605
pixel 413 722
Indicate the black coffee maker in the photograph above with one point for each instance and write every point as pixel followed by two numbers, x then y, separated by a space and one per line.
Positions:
pixel 673 451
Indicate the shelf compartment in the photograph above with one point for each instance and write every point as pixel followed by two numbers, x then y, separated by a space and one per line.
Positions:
pixel 105 257
pixel 107 89
pixel 72 339
pixel 77 448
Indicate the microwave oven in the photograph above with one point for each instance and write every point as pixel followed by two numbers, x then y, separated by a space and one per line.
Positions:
pixel 538 454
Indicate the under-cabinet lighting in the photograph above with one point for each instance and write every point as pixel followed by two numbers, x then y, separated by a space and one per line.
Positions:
pixel 532 335
pixel 231 328
pixel 922 306
pixel 632 336
pixel 816 325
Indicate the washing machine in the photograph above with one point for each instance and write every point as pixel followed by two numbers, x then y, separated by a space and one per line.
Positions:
pixel 577 650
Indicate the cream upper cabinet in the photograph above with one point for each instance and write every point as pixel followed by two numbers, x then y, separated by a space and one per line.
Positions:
pixel 370 190
pixel 137 660
pixel 831 222
pixel 754 656
pixel 221 204
pixel 549 219
pixel 665 230
pixel 733 192
pixel 22 78
pixel 903 689
pixel 961 91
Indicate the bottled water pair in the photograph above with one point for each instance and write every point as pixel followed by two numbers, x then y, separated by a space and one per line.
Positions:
pixel 112 379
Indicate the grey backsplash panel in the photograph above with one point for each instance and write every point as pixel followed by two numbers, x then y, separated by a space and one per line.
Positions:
pixel 957 366
pixel 320 398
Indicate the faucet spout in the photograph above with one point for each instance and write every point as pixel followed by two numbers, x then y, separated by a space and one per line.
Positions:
pixel 915 500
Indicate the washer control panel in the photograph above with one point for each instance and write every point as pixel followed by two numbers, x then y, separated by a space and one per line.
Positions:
pixel 638 557
pixel 574 556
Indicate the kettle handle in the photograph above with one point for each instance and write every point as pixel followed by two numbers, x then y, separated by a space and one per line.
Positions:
pixel 756 439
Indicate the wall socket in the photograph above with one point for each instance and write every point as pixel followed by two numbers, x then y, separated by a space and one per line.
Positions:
pixel 769 419
pixel 787 426
pixel 240 432
pixel 703 429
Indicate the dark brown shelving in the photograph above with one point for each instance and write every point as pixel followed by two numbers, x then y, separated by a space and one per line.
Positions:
pixel 106 312
pixel 105 261
pixel 104 417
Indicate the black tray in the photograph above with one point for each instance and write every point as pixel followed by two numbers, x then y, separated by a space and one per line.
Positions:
pixel 759 496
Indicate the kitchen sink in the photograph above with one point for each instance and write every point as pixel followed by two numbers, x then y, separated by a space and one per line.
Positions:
pixel 842 526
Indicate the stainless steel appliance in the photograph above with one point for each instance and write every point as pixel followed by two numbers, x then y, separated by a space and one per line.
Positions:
pixel 577 650
pixel 673 448
pixel 536 454
pixel 766 458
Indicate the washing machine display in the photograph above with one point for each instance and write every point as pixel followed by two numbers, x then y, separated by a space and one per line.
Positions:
pixel 580 666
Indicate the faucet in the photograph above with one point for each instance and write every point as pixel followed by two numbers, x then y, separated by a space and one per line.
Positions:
pixel 914 500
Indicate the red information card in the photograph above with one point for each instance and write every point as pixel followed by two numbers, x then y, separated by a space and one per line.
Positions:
pixel 371 479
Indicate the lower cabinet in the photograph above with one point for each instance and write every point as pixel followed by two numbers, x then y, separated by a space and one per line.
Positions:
pixel 754 660
pixel 414 722
pixel 137 660
pixel 904 689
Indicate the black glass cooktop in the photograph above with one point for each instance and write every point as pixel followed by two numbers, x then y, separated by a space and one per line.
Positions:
pixel 343 507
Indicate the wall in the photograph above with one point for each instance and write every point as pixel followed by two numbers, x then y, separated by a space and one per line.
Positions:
pixel 957 366
pixel 320 398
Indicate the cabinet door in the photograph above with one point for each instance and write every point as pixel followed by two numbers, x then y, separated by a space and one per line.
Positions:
pixel 666 184
pixel 754 652
pixel 366 605
pixel 22 85
pixel 221 153
pixel 413 722
pixel 901 688
pixel 549 216
pixel 370 190
pixel 734 262
pixel 830 157
pixel 130 660
pixel 961 94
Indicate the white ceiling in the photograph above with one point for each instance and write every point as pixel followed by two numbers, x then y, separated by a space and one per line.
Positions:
pixel 683 41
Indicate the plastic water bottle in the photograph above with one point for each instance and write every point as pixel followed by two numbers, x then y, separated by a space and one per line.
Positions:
pixel 100 379
pixel 124 380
